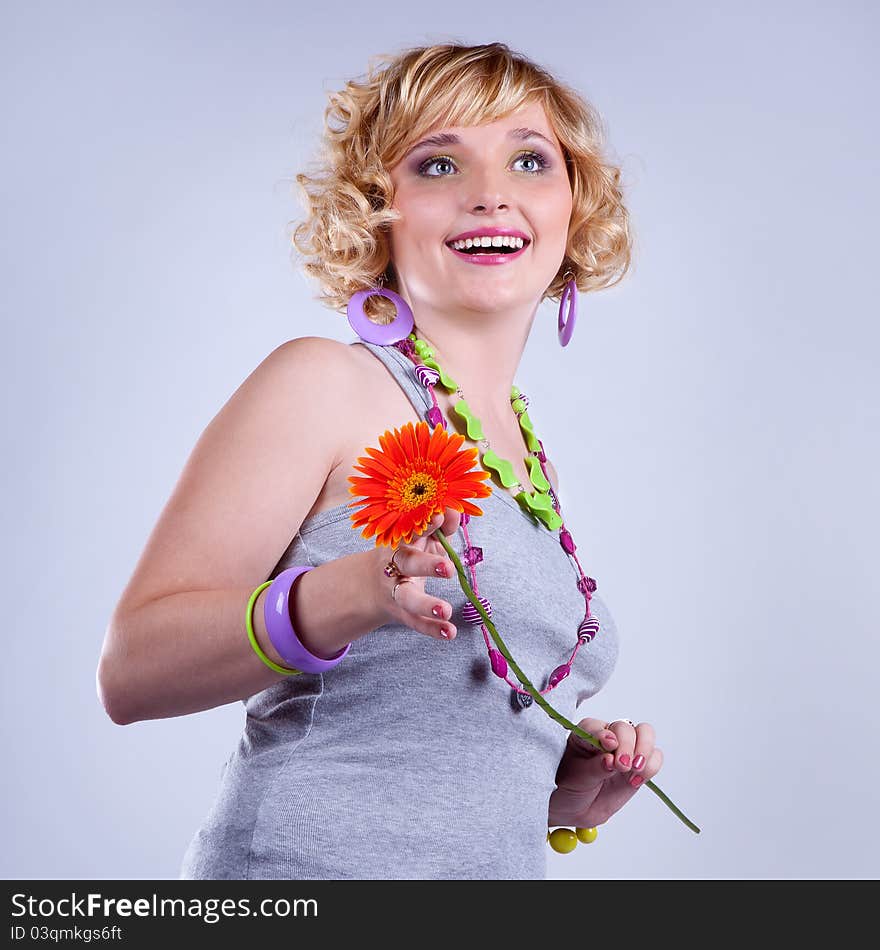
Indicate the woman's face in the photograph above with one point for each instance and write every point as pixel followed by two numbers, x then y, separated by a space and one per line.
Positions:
pixel 495 177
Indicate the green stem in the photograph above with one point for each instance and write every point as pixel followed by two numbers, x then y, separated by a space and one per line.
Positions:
pixel 539 699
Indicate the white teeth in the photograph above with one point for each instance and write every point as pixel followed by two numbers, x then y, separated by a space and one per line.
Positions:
pixel 486 241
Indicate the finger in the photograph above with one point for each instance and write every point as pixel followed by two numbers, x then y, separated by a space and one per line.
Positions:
pixel 448 521
pixel 577 774
pixel 451 521
pixel 651 768
pixel 419 562
pixel 644 745
pixel 595 728
pixel 424 614
pixel 421 540
pixel 626 742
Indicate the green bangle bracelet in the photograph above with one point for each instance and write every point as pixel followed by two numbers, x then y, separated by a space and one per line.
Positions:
pixel 253 637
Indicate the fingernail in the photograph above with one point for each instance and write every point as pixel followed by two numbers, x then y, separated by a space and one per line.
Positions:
pixel 636 781
pixel 608 764
pixel 611 739
pixel 638 761
pixel 444 634
pixel 624 760
pixel 440 570
pixel 437 611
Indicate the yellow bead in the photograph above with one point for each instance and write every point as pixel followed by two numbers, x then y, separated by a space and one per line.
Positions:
pixel 587 835
pixel 563 840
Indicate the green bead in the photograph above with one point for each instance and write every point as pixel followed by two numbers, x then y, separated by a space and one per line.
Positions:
pixel 448 383
pixel 540 501
pixel 474 426
pixel 563 840
pixel 518 405
pixel 540 506
pixel 551 519
pixel 501 466
pixel 536 474
pixel 525 423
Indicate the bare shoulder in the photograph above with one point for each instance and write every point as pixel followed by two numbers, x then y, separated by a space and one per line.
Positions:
pixel 329 357
pixel 320 368
pixel 252 476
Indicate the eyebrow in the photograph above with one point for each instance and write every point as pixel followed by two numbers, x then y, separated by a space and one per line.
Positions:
pixel 450 138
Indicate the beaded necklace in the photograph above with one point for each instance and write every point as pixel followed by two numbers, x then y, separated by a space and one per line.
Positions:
pixel 542 505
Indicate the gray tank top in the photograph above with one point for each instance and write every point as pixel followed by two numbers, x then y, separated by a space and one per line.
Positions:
pixel 410 759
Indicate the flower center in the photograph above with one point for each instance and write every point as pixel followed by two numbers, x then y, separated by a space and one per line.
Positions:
pixel 419 488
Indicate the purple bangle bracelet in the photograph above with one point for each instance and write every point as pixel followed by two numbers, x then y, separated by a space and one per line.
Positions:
pixel 276 612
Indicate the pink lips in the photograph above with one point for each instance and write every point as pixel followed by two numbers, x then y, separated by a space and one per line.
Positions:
pixel 488 258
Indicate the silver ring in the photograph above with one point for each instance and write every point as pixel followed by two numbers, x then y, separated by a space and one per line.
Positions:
pixel 394 589
pixel 610 724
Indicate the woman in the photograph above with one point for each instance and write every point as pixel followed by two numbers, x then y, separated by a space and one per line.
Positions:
pixel 469 185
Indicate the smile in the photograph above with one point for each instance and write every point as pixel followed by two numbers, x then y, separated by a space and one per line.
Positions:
pixel 489 255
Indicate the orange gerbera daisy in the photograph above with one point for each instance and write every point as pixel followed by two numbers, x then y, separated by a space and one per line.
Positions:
pixel 416 474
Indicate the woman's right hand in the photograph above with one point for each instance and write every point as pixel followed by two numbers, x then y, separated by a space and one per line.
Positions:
pixel 411 606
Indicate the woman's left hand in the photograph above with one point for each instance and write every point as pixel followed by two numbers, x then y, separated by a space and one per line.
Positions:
pixel 593 784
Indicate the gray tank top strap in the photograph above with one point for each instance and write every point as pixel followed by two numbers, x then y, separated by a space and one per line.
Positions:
pixel 404 372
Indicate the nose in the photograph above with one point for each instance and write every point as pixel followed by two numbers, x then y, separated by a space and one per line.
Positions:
pixel 489 192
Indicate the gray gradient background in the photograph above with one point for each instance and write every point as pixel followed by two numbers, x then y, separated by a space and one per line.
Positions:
pixel 715 465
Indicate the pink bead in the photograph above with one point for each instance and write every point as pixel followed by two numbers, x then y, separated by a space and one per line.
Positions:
pixel 499 664
pixel 473 556
pixel 567 542
pixel 586 585
pixel 559 674
pixel 435 417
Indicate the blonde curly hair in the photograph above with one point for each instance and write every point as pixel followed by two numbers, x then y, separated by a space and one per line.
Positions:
pixel 368 127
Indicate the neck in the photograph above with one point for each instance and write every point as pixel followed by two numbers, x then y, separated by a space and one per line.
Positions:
pixel 482 355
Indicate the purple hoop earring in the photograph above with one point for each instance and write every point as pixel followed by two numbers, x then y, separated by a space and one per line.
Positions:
pixel 399 328
pixel 566 327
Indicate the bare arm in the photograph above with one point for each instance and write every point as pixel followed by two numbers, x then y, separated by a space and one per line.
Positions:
pixel 190 651
pixel 177 641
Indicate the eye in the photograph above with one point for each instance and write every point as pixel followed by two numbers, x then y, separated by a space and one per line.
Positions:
pixel 437 160
pixel 534 157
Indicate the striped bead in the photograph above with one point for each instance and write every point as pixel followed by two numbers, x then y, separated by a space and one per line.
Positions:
pixel 471 615
pixel 588 629
pixel 427 376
